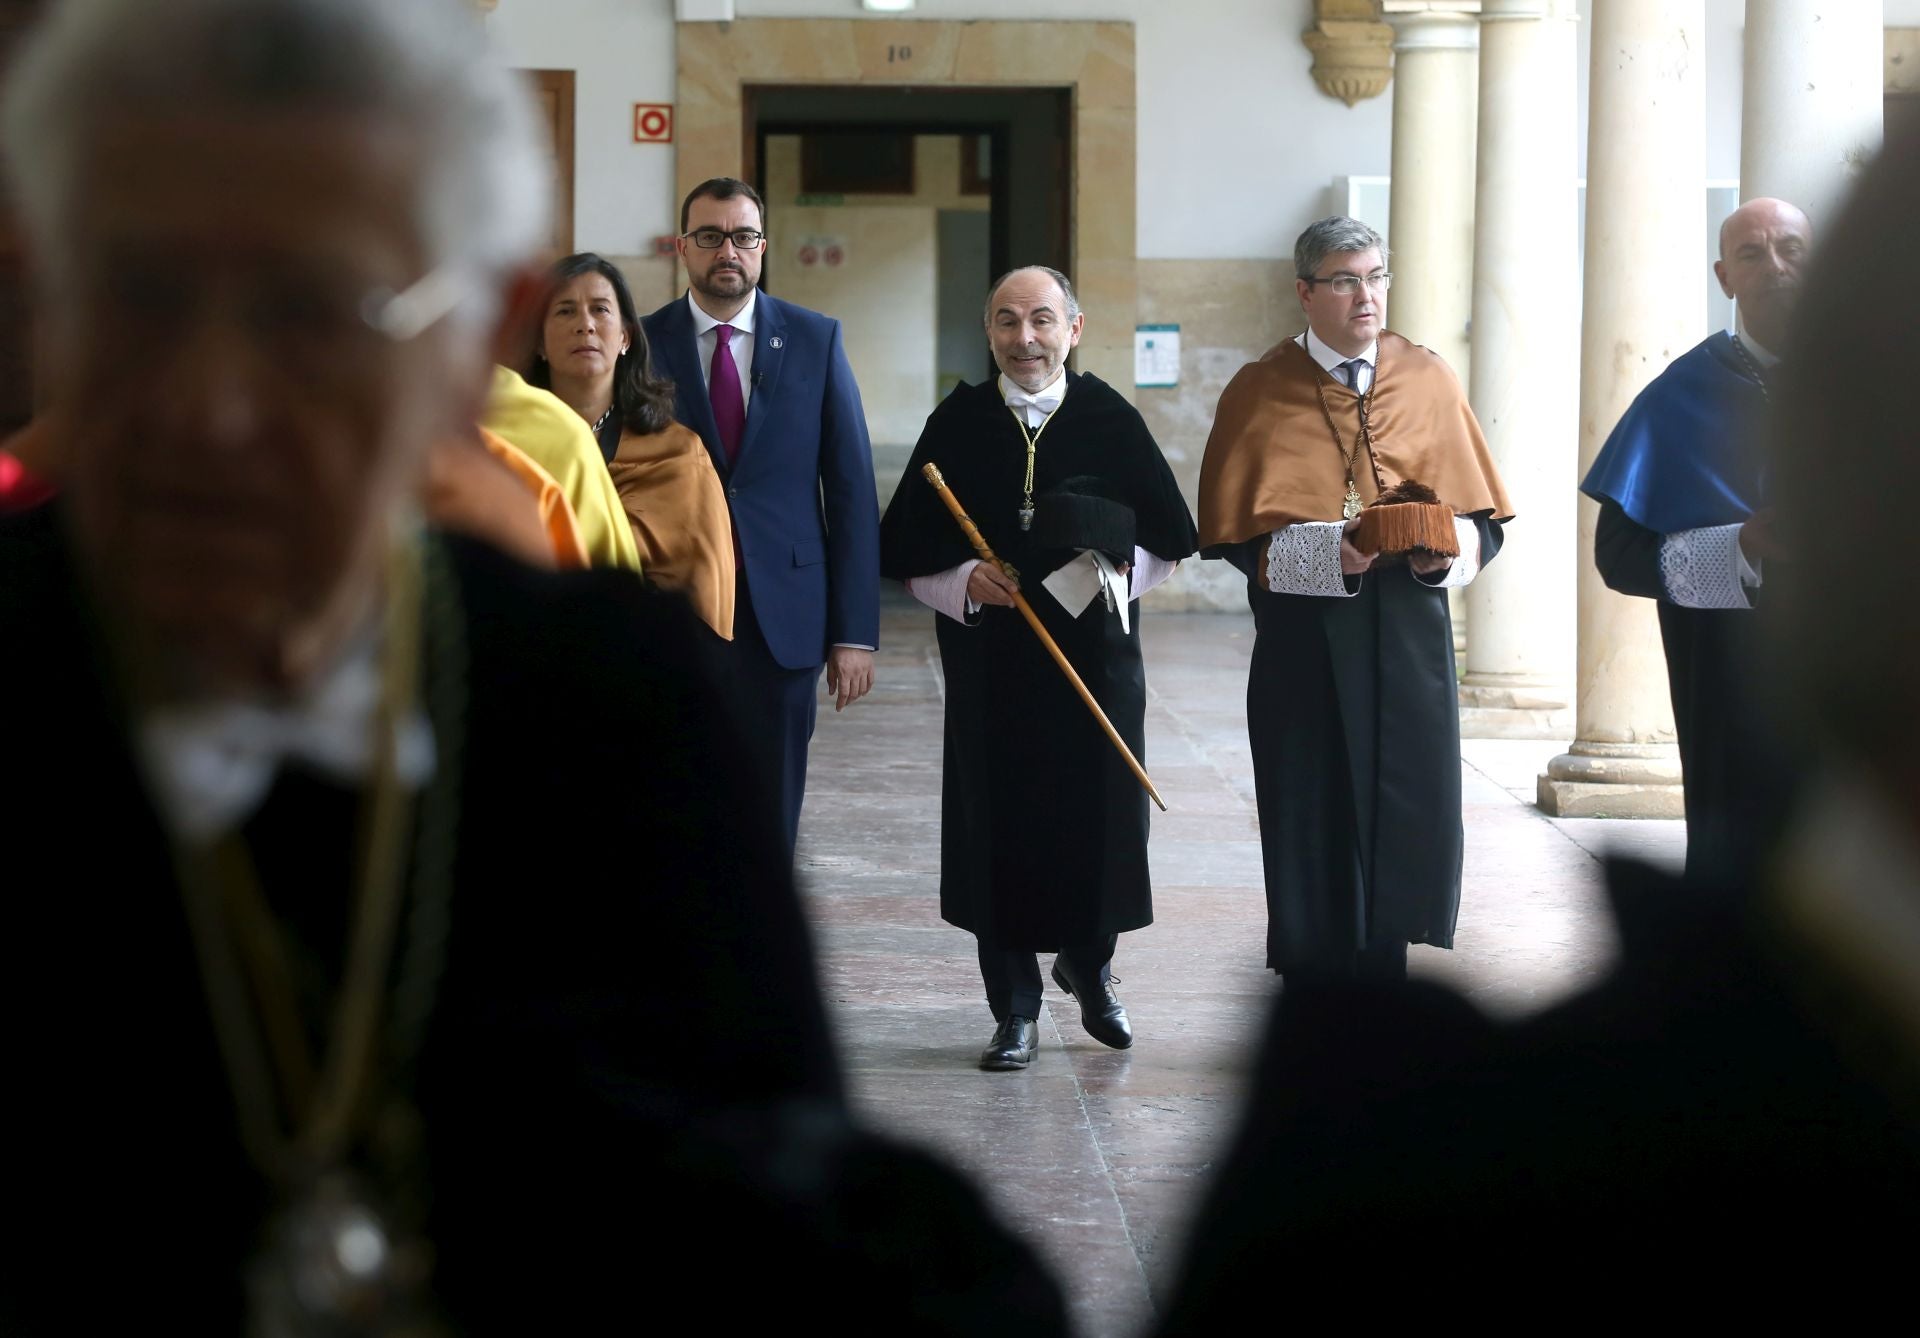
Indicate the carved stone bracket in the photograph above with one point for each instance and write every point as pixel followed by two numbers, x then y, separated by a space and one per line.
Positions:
pixel 1352 49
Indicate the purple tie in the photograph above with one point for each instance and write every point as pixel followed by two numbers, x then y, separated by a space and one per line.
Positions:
pixel 723 392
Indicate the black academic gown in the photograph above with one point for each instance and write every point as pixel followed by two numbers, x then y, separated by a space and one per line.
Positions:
pixel 1707 1133
pixel 1354 720
pixel 1043 827
pixel 1735 763
pixel 626 1086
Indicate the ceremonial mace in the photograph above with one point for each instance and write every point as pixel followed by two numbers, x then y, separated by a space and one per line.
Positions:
pixel 932 471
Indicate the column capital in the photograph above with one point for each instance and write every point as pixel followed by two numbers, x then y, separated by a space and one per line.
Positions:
pixel 1435 30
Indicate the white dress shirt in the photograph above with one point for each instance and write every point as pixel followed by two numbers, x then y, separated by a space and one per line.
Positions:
pixel 704 338
pixel 1330 358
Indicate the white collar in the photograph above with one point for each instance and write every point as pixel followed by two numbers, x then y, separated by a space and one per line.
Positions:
pixel 742 321
pixel 1763 355
pixel 1046 399
pixel 211 764
pixel 1330 358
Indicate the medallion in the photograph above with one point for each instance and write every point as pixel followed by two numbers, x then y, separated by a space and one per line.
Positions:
pixel 1350 507
pixel 331 1265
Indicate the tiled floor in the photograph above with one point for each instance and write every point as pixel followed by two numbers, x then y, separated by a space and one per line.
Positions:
pixel 1097 1156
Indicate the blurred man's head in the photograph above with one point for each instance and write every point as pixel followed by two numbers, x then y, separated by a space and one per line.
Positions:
pixel 1763 244
pixel 270 238
pixel 1847 476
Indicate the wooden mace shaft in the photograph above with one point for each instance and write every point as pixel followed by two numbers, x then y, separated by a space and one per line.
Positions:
pixel 980 546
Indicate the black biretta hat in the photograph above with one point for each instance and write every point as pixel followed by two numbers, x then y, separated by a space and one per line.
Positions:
pixel 1084 512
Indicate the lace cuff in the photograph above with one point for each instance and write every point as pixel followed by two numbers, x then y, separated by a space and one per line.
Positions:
pixel 1463 568
pixel 1704 568
pixel 1304 559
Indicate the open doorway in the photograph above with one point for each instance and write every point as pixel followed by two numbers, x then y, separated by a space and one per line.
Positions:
pixel 892 209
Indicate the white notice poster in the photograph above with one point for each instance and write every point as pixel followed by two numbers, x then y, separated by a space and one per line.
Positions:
pixel 1156 355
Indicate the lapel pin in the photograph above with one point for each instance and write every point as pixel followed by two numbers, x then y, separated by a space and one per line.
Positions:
pixel 776 342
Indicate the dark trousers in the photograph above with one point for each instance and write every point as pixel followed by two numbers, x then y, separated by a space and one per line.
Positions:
pixel 1380 963
pixel 1013 977
pixel 777 708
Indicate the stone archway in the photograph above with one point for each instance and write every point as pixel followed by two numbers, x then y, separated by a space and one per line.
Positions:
pixel 716 61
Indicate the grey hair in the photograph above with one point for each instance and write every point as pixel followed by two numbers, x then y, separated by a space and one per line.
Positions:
pixel 1066 289
pixel 1330 237
pixel 422 65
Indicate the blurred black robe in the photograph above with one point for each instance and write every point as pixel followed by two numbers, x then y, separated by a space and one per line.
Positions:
pixel 1722 1128
pixel 627 1087
pixel 1043 834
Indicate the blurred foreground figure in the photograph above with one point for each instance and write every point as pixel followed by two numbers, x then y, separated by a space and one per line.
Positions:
pixel 1745 1086
pixel 328 1000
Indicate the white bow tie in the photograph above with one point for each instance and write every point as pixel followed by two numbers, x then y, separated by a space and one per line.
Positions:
pixel 1046 399
pixel 212 765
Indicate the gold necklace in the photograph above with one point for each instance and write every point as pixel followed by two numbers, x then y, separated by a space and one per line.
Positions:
pixel 1350 504
pixel 1033 441
pixel 331 1251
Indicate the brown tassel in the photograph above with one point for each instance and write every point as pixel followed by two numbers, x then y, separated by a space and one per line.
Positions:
pixel 1407 517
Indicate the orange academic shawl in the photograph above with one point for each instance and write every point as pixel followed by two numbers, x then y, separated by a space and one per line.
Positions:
pixel 678 510
pixel 1271 460
pixel 489 489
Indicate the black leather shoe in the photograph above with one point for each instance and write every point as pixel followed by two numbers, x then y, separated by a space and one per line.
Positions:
pixel 1012 1046
pixel 1100 1011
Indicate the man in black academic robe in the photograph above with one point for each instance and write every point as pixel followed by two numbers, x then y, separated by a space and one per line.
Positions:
pixel 1043 826
pixel 1684 498
pixel 297 801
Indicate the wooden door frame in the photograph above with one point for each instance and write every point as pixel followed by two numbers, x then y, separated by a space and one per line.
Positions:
pixel 560 83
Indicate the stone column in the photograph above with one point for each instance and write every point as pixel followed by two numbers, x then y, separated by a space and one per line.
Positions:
pixel 1436 77
pixel 1812 100
pixel 1646 171
pixel 1524 381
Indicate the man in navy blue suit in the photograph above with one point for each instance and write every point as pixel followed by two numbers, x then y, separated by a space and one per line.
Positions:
pixel 767 386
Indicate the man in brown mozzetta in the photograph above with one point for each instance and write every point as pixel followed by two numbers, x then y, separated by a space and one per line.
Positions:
pixel 1351 704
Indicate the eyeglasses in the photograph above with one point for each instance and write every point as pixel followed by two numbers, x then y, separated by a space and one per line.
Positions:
pixel 743 239
pixel 315 320
pixel 1348 284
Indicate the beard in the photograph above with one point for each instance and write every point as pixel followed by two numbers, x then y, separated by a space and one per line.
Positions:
pixel 724 283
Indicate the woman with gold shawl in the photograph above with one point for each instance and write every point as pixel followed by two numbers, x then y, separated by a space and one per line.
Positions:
pixel 593 354
pixel 1352 706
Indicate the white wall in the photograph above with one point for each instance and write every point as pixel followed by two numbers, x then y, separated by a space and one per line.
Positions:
pixel 622 53
pixel 1236 145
